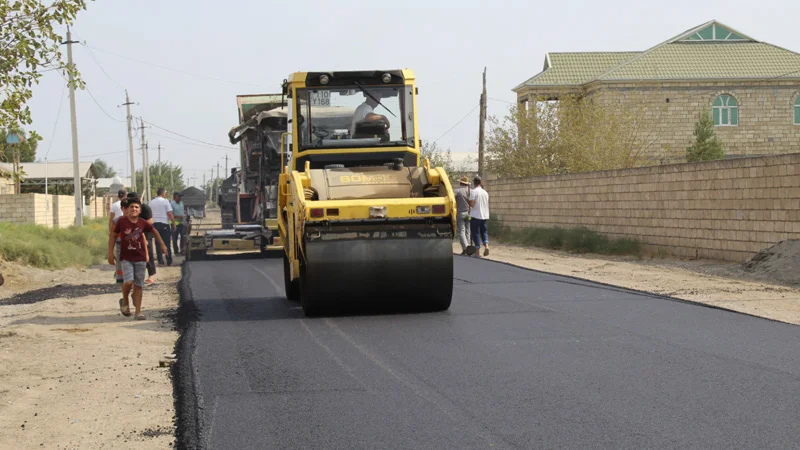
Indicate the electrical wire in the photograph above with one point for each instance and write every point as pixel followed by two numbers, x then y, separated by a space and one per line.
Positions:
pixel 187 142
pixel 170 68
pixel 92 155
pixel 457 123
pixel 187 137
pixel 55 125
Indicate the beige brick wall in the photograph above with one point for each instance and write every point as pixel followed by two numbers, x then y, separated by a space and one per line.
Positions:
pixel 726 210
pixel 33 208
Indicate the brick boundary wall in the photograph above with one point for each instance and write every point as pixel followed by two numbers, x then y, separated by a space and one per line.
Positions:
pixel 724 210
pixel 32 208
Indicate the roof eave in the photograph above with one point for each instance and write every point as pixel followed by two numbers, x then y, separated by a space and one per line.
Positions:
pixel 678 80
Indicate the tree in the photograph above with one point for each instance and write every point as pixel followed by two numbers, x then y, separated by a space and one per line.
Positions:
pixel 103 169
pixel 171 179
pixel 573 134
pixel 442 158
pixel 29 44
pixel 707 145
pixel 27 149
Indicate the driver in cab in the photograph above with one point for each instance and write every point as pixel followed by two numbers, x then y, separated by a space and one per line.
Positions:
pixel 365 110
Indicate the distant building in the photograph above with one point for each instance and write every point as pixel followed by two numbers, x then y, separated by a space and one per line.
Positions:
pixel 6 179
pixel 110 186
pixel 751 88
pixel 58 177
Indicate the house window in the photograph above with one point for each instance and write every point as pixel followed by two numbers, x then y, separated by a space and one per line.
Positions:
pixel 797 110
pixel 726 111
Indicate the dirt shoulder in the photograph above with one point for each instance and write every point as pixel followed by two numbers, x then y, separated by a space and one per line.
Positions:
pixel 74 372
pixel 708 282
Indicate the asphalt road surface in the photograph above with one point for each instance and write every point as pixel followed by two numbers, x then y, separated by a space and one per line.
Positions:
pixel 522 359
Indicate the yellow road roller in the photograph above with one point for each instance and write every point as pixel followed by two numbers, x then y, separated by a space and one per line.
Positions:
pixel 362 219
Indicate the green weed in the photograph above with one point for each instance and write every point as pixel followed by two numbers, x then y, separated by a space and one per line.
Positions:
pixel 574 240
pixel 55 248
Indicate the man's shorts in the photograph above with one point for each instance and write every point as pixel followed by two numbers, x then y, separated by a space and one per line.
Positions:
pixel 133 271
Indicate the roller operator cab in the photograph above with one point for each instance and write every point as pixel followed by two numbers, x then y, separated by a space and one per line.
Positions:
pixel 362 219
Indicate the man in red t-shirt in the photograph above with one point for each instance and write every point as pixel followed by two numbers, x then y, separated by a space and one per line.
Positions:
pixel 133 255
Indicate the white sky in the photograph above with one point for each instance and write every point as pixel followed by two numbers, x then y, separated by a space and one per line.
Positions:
pixel 446 43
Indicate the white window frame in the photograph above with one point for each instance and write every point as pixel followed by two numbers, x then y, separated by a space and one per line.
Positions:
pixel 725 106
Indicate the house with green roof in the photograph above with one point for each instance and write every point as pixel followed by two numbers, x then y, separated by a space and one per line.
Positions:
pixel 750 87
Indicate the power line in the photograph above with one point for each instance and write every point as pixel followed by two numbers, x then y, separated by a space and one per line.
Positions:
pixel 170 68
pixel 101 108
pixel 55 125
pixel 164 136
pixel 457 123
pixel 187 137
pixel 101 66
pixel 93 155
pixel 95 101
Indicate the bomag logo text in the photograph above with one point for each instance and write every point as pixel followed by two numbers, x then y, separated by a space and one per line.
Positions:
pixel 366 179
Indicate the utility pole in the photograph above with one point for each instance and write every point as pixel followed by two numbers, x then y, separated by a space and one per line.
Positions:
pixel 128 104
pixel 145 166
pixel 159 159
pixel 147 170
pixel 76 171
pixel 482 126
pixel 226 164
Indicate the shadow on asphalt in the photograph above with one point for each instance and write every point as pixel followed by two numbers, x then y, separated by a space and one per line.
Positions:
pixel 279 308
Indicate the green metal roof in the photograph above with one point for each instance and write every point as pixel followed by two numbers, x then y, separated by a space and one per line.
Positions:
pixel 577 68
pixel 709 51
pixel 708 60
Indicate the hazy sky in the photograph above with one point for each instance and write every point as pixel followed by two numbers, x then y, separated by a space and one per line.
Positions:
pixel 252 46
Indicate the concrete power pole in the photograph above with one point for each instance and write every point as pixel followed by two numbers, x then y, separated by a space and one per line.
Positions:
pixel 159 159
pixel 210 182
pixel 147 170
pixel 226 164
pixel 145 167
pixel 128 104
pixel 482 126
pixel 76 171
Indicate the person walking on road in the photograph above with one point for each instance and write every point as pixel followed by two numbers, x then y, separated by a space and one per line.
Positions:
pixel 147 214
pixel 462 193
pixel 113 215
pixel 162 218
pixel 133 257
pixel 479 216
pixel 178 212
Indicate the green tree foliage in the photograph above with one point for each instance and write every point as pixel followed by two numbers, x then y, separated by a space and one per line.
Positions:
pixel 27 149
pixel 29 45
pixel 103 169
pixel 707 145
pixel 442 158
pixel 171 179
pixel 574 134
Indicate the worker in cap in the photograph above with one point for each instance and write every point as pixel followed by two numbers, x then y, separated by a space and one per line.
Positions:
pixel 462 193
pixel 179 215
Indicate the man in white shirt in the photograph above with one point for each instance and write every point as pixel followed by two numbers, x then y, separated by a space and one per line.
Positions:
pixel 114 213
pixel 479 216
pixel 365 111
pixel 162 218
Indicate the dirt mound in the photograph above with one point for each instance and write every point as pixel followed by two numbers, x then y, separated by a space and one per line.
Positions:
pixel 781 262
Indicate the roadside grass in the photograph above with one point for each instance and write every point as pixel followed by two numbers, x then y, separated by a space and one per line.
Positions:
pixel 573 240
pixel 55 248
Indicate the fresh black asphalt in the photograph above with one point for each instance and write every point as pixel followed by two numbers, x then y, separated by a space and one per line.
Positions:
pixel 522 359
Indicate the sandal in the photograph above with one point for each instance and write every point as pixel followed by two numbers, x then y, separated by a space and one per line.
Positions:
pixel 140 317
pixel 126 311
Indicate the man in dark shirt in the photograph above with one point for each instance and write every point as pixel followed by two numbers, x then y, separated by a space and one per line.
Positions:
pixel 147 214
